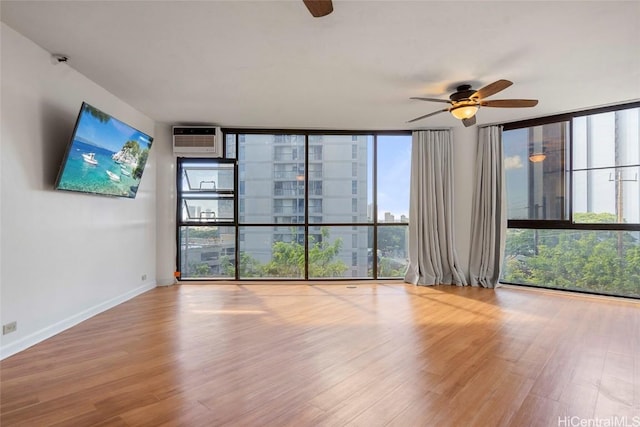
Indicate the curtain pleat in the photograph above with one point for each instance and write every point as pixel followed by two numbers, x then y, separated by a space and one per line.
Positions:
pixel 432 256
pixel 488 226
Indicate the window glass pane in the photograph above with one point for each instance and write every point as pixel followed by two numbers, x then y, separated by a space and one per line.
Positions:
pixel 268 251
pixel 207 176
pixel 336 252
pixel 607 139
pixel 315 171
pixel 315 208
pixel 206 191
pixel 230 145
pixel 288 188
pixel 534 162
pixel 207 252
pixel 393 251
pixel 207 209
pixel 315 188
pixel 609 195
pixel 606 262
pixel 337 196
pixel 394 172
pixel 601 192
pixel 272 184
pixel 315 153
pixel 289 171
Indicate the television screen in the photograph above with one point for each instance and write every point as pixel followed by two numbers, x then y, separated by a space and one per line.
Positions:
pixel 105 156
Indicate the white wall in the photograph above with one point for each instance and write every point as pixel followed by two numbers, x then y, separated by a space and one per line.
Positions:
pixel 64 256
pixel 166 205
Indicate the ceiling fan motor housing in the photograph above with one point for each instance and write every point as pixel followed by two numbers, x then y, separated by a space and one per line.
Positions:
pixel 462 92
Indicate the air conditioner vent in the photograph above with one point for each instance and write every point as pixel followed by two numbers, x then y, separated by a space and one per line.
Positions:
pixel 196 140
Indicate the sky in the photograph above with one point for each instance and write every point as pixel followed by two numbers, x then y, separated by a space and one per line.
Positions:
pixel 516 172
pixel 111 135
pixel 394 170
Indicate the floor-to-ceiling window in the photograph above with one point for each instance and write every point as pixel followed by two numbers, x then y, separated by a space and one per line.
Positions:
pixel 314 205
pixel 206 218
pixel 573 197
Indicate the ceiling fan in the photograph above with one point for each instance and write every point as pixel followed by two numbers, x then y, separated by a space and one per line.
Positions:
pixel 465 102
pixel 319 8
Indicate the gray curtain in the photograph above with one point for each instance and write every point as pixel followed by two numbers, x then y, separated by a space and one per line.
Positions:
pixel 488 219
pixel 432 257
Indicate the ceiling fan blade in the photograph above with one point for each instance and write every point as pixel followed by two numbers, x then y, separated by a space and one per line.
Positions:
pixel 469 122
pixel 428 115
pixel 319 8
pixel 492 89
pixel 510 103
pixel 446 101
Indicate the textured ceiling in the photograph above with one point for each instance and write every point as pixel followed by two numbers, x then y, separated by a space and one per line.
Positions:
pixel 270 64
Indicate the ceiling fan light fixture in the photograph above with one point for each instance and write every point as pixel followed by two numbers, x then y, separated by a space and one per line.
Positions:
pixel 537 157
pixel 464 111
pixel 465 102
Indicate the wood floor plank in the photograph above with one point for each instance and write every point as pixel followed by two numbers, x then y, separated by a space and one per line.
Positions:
pixel 500 408
pixel 393 402
pixel 538 411
pixel 580 400
pixel 297 354
pixel 422 412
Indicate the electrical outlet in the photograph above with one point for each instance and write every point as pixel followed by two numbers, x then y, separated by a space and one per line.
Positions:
pixel 144 277
pixel 9 327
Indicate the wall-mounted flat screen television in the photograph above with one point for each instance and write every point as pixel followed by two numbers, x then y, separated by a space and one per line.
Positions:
pixel 105 156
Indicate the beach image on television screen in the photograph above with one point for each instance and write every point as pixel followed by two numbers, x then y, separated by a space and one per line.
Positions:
pixel 106 156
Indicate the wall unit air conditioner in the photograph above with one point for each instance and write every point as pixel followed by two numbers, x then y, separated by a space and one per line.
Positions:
pixel 197 140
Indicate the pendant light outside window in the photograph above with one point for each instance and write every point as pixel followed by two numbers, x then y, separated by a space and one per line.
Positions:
pixel 537 157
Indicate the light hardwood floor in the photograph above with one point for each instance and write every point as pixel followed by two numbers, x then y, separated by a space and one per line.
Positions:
pixel 327 354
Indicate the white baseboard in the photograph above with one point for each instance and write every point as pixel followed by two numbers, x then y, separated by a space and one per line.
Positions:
pixel 166 281
pixel 56 328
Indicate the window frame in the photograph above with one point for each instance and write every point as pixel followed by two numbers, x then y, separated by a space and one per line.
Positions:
pixel 180 197
pixel 309 159
pixel 568 224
